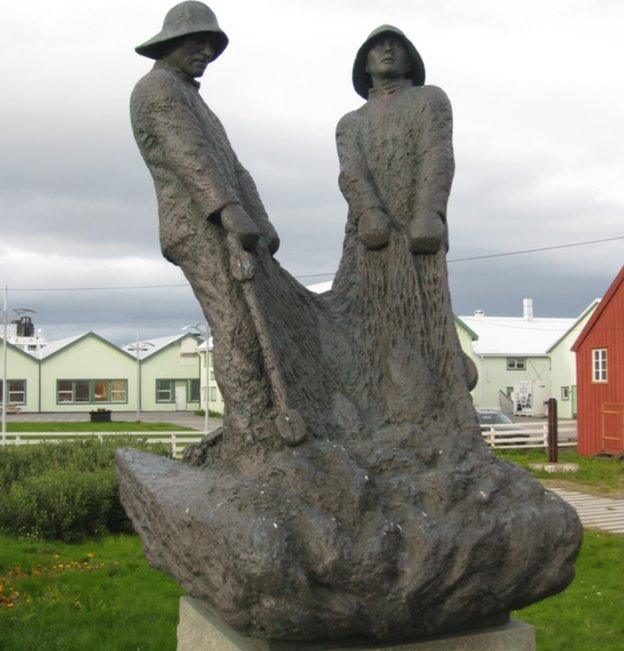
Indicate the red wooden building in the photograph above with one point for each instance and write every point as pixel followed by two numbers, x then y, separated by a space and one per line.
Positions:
pixel 600 375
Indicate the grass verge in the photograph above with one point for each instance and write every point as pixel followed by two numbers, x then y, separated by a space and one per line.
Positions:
pixel 102 595
pixel 595 474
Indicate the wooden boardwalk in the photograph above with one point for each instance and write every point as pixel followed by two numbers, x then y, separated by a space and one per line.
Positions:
pixel 603 513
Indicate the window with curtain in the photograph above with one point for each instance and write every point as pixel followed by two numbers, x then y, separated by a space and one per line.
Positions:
pixel 16 395
pixel 64 391
pixel 82 391
pixel 118 390
pixel 101 391
pixel 91 391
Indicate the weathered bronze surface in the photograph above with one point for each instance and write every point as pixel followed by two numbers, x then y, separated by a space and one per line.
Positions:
pixel 349 492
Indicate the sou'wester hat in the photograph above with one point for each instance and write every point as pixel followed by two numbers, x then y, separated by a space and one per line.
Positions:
pixel 189 17
pixel 362 80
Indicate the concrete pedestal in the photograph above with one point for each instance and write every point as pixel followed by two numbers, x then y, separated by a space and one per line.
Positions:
pixel 201 630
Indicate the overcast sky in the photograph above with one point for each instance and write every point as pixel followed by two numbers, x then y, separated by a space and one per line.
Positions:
pixel 538 99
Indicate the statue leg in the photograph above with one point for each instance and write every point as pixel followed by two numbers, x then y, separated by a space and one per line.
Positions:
pixel 237 356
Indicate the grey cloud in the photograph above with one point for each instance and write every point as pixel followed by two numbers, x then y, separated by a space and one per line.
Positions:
pixel 539 156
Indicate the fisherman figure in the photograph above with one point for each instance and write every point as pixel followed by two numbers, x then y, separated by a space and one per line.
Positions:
pixel 396 170
pixel 211 217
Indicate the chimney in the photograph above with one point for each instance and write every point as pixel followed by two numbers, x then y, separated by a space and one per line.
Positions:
pixel 527 309
pixel 479 313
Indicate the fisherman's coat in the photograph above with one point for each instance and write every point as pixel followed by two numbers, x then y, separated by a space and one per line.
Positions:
pixel 396 155
pixel 195 170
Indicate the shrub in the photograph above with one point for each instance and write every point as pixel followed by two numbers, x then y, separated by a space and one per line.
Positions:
pixel 65 491
pixel 211 413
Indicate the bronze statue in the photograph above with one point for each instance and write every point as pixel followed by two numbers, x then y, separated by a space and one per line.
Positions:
pixel 349 492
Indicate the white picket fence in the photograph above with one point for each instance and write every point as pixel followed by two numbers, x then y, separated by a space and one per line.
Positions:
pixel 527 437
pixel 176 441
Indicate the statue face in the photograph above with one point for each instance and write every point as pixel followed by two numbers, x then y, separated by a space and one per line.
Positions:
pixel 387 58
pixel 191 54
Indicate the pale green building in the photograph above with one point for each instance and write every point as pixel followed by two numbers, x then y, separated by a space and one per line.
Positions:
pixel 84 373
pixel 522 361
pixel 22 379
pixel 170 372
pixel 209 386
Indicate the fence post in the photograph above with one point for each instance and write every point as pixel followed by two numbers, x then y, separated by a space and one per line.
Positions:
pixel 173 445
pixel 553 434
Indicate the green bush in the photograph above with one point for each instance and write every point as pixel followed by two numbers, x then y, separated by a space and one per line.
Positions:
pixel 211 413
pixel 65 491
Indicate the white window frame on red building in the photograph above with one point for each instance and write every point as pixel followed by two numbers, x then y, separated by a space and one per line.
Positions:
pixel 599 366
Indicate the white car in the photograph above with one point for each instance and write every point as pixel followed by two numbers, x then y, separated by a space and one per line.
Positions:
pixel 495 422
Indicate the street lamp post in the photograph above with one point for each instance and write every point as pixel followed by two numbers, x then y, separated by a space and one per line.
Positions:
pixel 5 320
pixel 205 331
pixel 138 348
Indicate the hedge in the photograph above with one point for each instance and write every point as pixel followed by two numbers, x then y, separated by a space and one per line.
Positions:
pixel 65 491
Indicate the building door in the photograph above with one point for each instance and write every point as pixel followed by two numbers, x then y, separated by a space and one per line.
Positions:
pixel 613 427
pixel 573 399
pixel 180 396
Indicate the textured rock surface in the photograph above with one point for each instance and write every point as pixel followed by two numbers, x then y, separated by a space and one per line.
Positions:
pixel 391 536
pixel 349 492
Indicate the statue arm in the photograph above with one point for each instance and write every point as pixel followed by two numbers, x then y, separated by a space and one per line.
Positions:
pixel 169 135
pixel 436 168
pixel 353 178
pixel 253 203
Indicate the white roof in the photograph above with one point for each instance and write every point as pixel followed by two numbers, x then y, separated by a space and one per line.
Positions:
pixel 319 288
pixel 151 346
pixel 516 336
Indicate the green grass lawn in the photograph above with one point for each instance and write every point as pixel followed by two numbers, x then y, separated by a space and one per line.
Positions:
pixel 70 600
pixel 102 595
pixel 589 614
pixel 87 426
pixel 595 475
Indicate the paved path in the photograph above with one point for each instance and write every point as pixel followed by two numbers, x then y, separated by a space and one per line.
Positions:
pixel 603 513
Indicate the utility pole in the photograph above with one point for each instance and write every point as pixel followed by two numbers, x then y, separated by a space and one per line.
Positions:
pixel 206 371
pixel 138 348
pixel 138 370
pixel 553 433
pixel 5 319
pixel 202 330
